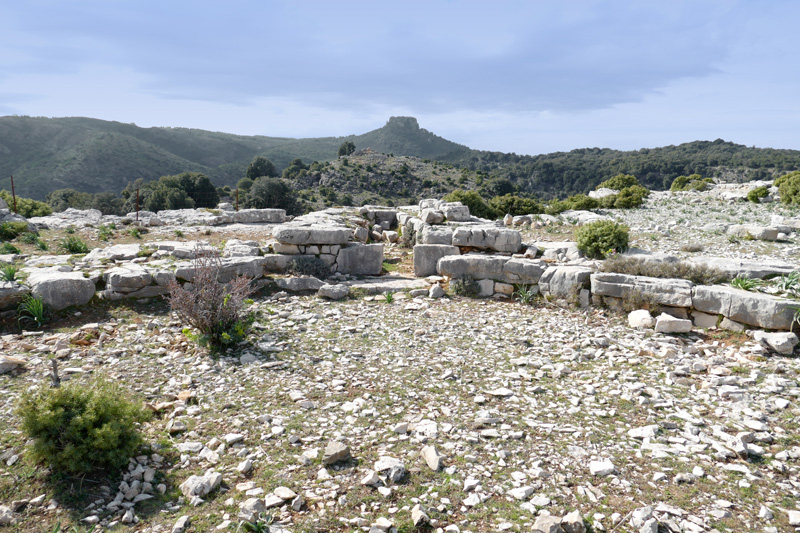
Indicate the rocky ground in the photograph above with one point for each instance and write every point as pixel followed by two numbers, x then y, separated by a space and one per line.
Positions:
pixel 470 415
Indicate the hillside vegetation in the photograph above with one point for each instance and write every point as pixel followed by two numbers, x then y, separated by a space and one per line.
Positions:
pixel 406 162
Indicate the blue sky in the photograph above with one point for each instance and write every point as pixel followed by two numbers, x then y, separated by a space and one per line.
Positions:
pixel 514 76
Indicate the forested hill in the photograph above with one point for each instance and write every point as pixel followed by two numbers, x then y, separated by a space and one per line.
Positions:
pixel 92 155
pixel 561 174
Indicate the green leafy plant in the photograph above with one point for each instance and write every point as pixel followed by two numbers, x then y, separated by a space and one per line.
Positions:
pixel 29 237
pixel 104 232
pixel 179 233
pixel 260 524
pixel 596 239
pixel 70 230
pixel 32 309
pixel 464 286
pixel 77 429
pixel 8 272
pixel 745 283
pixel 388 297
pixel 11 230
pixel 41 245
pixel 135 232
pixel 215 310
pixel 8 248
pixel 526 294
pixel 74 245
pixel 789 284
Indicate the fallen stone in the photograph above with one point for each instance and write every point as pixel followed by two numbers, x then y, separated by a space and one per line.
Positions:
pixel 669 324
pixel 336 451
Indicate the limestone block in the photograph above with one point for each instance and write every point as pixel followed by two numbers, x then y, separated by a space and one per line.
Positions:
pixel 491 238
pixel 311 234
pixel 255 216
pixel 564 281
pixel 11 294
pixel 473 265
pixel 427 255
pixel 360 259
pixel 435 235
pixel 672 292
pixel 669 324
pixel 751 308
pixel 61 289
pixel 127 278
pixel 455 212
pixel 431 216
pixel 761 233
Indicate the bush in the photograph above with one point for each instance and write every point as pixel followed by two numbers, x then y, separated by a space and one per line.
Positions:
pixel 597 239
pixel 757 194
pixel 77 429
pixel 308 265
pixel 514 205
pixel 215 310
pixel 477 206
pixel 464 286
pixel 12 230
pixel 690 183
pixel 635 266
pixel 8 248
pixel 631 197
pixel 26 207
pixel 581 202
pixel 789 188
pixel 74 245
pixel 619 182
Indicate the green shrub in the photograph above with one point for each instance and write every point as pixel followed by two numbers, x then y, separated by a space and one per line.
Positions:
pixel 557 206
pixel 77 429
pixel 11 230
pixel 215 310
pixel 29 237
pixel 308 265
pixel 8 248
pixel 619 182
pixel 690 183
pixel 26 207
pixel 789 188
pixel 526 294
pixel 32 309
pixel 477 206
pixel 514 205
pixel 74 245
pixel 582 202
pixel 631 197
pixel 597 239
pixel 464 286
pixel 635 266
pixel 757 194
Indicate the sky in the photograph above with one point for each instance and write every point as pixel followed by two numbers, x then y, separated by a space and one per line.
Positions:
pixel 523 76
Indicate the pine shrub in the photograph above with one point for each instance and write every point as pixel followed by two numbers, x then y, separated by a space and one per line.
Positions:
pixel 77 429
pixel 597 239
pixel 308 265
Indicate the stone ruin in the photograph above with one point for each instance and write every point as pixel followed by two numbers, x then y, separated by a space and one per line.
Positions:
pixel 447 243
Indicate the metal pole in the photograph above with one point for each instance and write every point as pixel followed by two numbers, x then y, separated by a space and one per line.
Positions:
pixel 137 205
pixel 14 195
pixel 237 199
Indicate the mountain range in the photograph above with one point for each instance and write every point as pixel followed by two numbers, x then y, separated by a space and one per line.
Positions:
pixel 92 155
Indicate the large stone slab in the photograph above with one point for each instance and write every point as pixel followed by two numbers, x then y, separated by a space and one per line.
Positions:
pixel 494 267
pixel 672 292
pixel 754 231
pixel 360 259
pixel 488 238
pixel 258 216
pixel 455 211
pixel 116 252
pixel 61 289
pixel 127 278
pixel 564 281
pixel 526 271
pixel 311 234
pixel 751 269
pixel 751 308
pixel 426 256
pixel 230 268
pixel 435 235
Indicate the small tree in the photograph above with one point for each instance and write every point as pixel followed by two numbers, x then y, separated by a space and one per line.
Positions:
pixel 260 166
pixel 215 310
pixel 346 148
pixel 597 239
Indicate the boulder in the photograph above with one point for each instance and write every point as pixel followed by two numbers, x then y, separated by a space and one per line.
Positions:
pixel 360 259
pixel 201 485
pixel 11 294
pixel 431 216
pixel 426 256
pixel 127 278
pixel 525 271
pixel 238 248
pixel 61 289
pixel 641 319
pixel 117 252
pixel 672 292
pixel 761 233
pixel 333 292
pixel 336 451
pixel 780 342
pixel 472 265
pixel 300 283
pixel 564 281
pixel 751 308
pixel 669 324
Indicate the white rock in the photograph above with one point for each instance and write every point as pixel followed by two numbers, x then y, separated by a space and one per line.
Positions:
pixel 601 468
pixel 669 324
pixel 641 319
